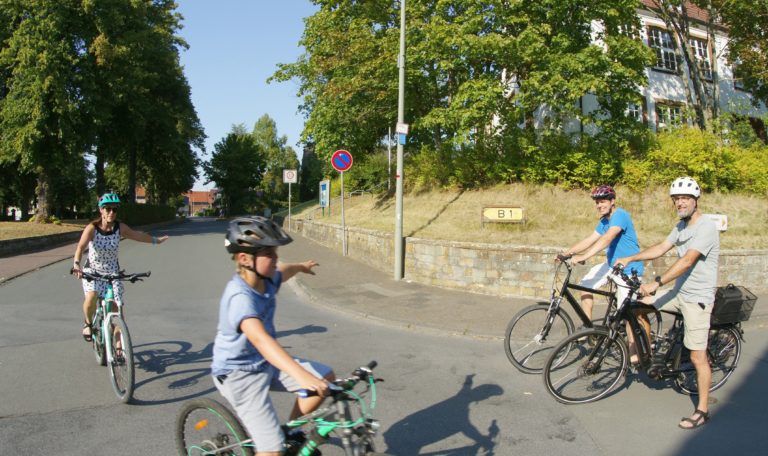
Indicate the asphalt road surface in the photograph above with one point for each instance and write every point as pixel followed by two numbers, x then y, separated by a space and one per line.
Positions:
pixel 441 396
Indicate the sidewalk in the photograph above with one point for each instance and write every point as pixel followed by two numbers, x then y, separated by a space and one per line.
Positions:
pixel 355 288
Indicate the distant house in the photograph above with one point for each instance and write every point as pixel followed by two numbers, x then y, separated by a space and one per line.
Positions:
pixel 197 202
pixel 662 102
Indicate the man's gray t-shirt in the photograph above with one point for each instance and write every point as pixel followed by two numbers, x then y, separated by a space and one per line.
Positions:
pixel 700 280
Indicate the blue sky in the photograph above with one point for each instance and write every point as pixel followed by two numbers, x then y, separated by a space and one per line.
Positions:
pixel 234 46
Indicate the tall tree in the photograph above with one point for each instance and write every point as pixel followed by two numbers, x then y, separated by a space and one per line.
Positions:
pixel 462 59
pixel 237 166
pixel 40 114
pixel 278 156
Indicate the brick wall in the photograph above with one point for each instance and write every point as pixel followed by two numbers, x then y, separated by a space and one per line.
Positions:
pixel 501 269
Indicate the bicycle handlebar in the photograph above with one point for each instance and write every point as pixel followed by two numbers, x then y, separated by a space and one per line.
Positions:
pixel 339 386
pixel 120 275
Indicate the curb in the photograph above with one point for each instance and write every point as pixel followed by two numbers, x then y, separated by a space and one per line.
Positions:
pixel 305 292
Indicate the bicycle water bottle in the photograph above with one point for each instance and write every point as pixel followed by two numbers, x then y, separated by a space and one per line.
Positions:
pixel 314 440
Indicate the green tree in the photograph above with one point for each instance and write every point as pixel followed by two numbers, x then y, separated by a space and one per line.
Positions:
pixel 237 166
pixel 747 23
pixel 40 112
pixel 476 71
pixel 278 156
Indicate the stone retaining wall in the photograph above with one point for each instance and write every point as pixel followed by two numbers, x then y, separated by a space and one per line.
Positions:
pixel 24 245
pixel 500 269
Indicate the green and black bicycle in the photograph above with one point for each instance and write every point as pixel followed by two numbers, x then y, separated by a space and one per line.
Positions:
pixel 207 427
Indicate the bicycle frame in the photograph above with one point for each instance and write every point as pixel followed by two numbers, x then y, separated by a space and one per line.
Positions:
pixel 565 292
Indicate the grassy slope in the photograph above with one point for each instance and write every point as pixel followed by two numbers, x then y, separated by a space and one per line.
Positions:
pixel 555 217
pixel 15 230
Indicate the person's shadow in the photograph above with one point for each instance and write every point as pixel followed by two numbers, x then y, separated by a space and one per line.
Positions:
pixel 442 420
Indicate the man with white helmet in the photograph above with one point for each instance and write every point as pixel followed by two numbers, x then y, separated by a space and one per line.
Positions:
pixel 695 274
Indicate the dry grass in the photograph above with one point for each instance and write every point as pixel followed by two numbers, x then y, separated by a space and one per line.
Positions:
pixel 16 230
pixel 555 217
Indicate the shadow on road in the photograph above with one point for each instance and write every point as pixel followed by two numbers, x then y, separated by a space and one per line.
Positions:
pixel 737 425
pixel 304 330
pixel 443 420
pixel 161 357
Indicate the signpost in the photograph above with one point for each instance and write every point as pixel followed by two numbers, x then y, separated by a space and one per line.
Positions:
pixel 325 200
pixel 289 177
pixel 341 160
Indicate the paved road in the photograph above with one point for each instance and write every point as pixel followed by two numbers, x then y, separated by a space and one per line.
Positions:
pixel 442 396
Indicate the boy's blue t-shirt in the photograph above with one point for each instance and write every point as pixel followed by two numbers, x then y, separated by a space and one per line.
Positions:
pixel 625 244
pixel 231 349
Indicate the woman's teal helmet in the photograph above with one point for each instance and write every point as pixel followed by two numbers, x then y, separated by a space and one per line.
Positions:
pixel 108 198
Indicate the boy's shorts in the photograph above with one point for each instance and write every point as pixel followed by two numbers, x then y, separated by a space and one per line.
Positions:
pixel 695 318
pixel 248 394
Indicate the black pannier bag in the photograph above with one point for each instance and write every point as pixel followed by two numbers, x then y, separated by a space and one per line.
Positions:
pixel 732 304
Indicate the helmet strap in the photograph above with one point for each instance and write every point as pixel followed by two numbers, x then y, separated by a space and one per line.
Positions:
pixel 253 270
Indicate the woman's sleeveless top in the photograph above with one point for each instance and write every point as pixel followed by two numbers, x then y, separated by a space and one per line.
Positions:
pixel 103 249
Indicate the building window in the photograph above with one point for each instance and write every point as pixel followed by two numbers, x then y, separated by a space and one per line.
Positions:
pixel 668 115
pixel 738 82
pixel 701 54
pixel 637 110
pixel 664 44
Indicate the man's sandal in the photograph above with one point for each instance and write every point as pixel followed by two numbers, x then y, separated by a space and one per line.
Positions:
pixel 698 419
pixel 88 336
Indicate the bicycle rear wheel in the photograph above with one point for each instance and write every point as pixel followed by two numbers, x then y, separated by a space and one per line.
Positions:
pixel 205 426
pixel 585 366
pixel 97 339
pixel 531 336
pixel 723 351
pixel 121 370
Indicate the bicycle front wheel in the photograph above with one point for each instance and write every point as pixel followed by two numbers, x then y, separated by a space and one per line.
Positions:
pixel 585 366
pixel 532 334
pixel 723 351
pixel 205 426
pixel 121 370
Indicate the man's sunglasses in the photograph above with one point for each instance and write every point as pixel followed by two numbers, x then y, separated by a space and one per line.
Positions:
pixel 110 208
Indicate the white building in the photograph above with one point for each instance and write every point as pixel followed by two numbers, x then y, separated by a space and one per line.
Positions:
pixel 663 100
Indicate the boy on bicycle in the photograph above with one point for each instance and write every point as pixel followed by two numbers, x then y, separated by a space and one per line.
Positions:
pixel 614 232
pixel 695 274
pixel 248 361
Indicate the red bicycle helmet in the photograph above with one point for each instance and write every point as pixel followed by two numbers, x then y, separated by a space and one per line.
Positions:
pixel 603 192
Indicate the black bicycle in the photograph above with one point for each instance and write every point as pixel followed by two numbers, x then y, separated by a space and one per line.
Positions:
pixel 534 331
pixel 588 365
pixel 207 427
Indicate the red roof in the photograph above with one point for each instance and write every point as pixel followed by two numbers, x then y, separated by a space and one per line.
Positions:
pixel 694 12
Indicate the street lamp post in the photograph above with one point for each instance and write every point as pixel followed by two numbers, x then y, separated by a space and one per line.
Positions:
pixel 398 239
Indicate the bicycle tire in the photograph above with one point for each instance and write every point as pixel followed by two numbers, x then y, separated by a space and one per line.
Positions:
pixel 97 339
pixel 204 425
pixel 525 345
pixel 585 366
pixel 121 369
pixel 723 352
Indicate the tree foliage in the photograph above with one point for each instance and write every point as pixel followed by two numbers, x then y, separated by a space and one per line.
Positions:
pixel 101 78
pixel 237 165
pixel 476 72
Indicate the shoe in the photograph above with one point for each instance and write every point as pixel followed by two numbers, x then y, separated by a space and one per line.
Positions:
pixel 699 419
pixel 87 335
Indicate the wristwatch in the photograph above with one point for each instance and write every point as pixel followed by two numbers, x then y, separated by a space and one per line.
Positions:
pixel 658 280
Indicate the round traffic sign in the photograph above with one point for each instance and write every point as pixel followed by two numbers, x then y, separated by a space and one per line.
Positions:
pixel 341 160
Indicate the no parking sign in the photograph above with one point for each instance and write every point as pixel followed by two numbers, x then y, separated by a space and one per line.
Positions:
pixel 341 160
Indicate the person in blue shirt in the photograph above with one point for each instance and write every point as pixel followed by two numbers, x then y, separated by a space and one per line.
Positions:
pixel 248 362
pixel 614 233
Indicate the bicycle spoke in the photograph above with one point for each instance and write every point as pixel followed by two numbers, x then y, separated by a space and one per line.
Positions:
pixel 529 340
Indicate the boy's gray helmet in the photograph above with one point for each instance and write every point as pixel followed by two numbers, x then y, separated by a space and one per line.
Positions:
pixel 251 234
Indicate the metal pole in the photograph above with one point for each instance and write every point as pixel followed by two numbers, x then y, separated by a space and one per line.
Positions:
pixel 343 226
pixel 289 206
pixel 389 159
pixel 398 239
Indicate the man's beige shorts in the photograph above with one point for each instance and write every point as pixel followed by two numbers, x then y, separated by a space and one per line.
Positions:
pixel 695 319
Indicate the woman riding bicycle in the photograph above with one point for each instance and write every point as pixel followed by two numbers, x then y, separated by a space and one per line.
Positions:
pixel 102 238
pixel 248 361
